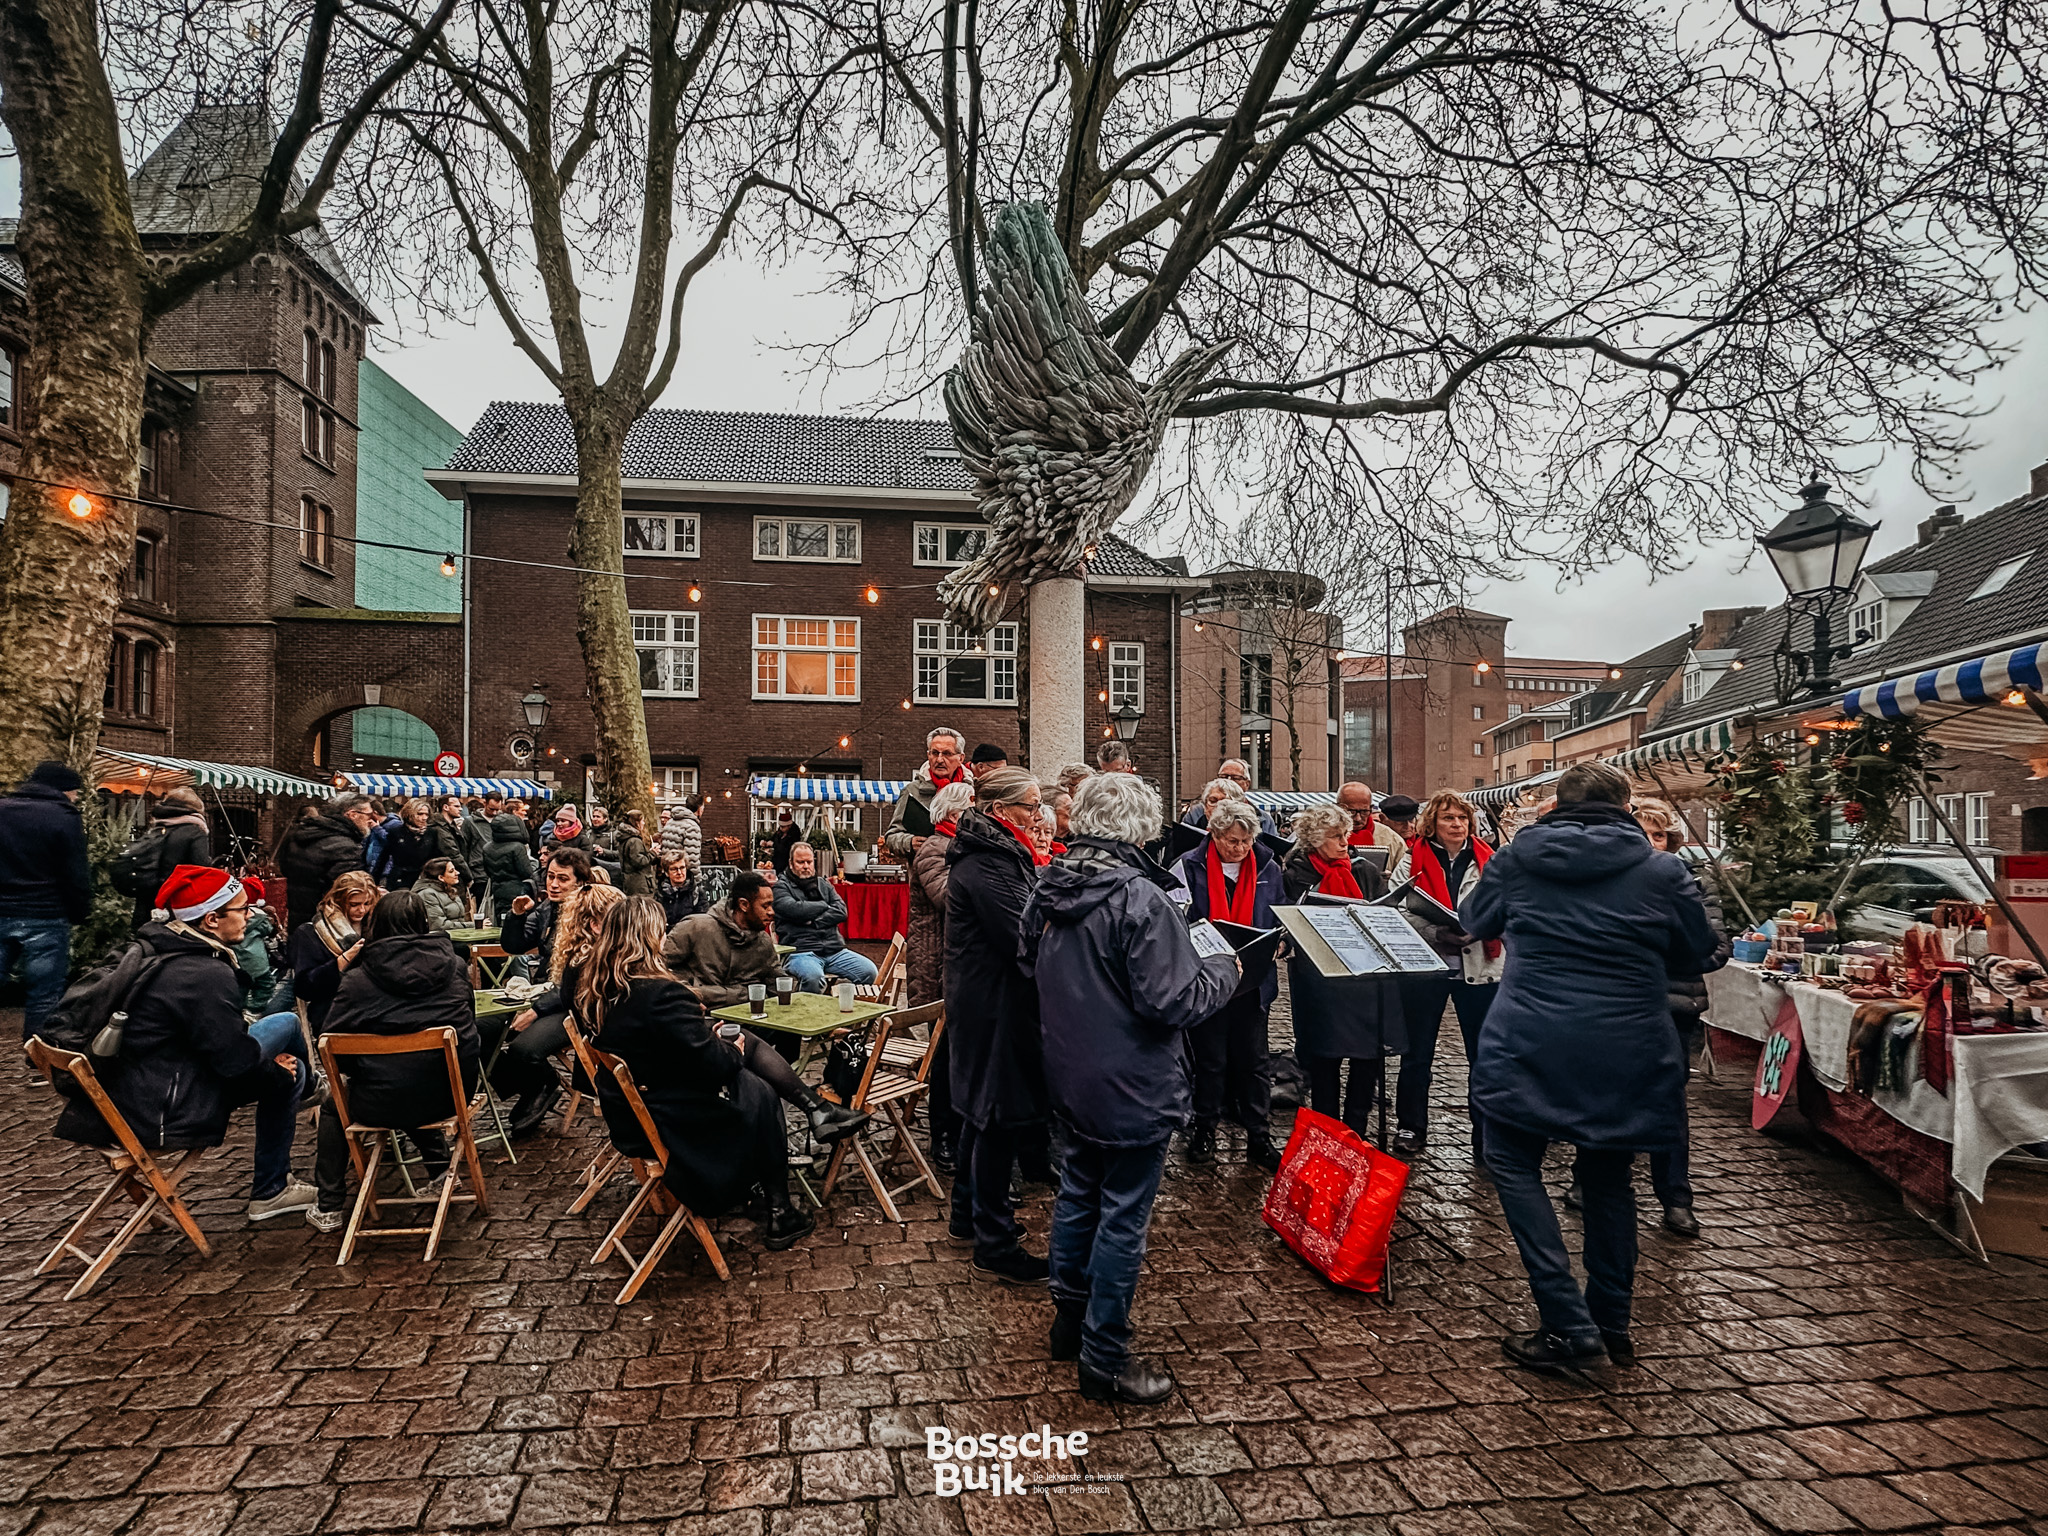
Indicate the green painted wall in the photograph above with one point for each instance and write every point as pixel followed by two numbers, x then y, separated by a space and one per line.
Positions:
pixel 401 436
pixel 381 732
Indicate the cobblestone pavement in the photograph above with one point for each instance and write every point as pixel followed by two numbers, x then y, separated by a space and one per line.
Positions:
pixel 1815 1363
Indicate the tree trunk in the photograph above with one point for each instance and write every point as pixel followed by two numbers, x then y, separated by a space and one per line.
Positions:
pixel 82 407
pixel 604 627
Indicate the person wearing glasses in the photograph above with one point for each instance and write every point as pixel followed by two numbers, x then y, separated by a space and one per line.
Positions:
pixel 1232 776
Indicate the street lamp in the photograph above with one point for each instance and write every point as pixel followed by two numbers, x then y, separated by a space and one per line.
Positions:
pixel 1125 718
pixel 1817 551
pixel 535 707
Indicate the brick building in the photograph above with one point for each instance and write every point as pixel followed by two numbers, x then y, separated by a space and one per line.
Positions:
pixel 1260 681
pixel 782 572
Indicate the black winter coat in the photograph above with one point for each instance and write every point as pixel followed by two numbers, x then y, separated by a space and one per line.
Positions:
pixel 405 855
pixel 1578 1045
pixel 187 1058
pixel 44 872
pixel 189 842
pixel 709 1109
pixel 533 932
pixel 998 1076
pixel 678 901
pixel 314 852
pixel 1687 994
pixel 808 914
pixel 398 986
pixel 1269 892
pixel 445 841
pixel 508 862
pixel 1358 1016
pixel 1119 983
pixel 316 973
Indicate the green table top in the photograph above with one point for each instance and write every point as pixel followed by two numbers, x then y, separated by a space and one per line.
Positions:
pixel 809 1014
pixel 784 951
pixel 475 935
pixel 489 1007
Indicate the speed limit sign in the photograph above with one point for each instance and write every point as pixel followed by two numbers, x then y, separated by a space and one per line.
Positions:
pixel 449 765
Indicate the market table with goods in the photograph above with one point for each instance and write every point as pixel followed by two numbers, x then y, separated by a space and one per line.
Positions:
pixel 876 910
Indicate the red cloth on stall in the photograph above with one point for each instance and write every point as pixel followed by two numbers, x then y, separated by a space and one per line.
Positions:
pixel 875 912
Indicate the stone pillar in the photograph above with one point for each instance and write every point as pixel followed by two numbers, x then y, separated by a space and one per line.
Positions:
pixel 1059 674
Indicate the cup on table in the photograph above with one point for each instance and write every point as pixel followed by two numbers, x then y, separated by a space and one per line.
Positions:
pixel 785 988
pixel 757 999
pixel 844 992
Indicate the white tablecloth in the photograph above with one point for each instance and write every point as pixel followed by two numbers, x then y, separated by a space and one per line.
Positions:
pixel 1997 1099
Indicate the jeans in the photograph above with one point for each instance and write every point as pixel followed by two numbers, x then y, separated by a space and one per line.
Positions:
pixel 1329 1094
pixel 278 1034
pixel 1515 1158
pixel 1099 1224
pixel 811 970
pixel 277 1103
pixel 1229 1048
pixel 1422 1009
pixel 981 1190
pixel 43 945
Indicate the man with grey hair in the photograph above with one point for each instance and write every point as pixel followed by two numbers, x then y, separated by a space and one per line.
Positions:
pixel 1119 986
pixel 1114 757
pixel 1072 775
pixel 943 764
pixel 1223 788
pixel 318 848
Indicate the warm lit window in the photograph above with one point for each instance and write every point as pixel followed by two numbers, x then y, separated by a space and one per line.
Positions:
pixel 1126 675
pixel 144 576
pixel 806 658
pixel 802 538
pixel 654 533
pixel 316 533
pixel 956 666
pixel 948 543
pixel 666 644
pixel 1869 619
pixel 142 702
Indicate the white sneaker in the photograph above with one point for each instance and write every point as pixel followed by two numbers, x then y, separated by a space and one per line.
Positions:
pixel 295 1196
pixel 326 1221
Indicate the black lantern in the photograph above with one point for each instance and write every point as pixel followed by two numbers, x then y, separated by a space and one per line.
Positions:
pixel 535 707
pixel 1125 719
pixel 1819 547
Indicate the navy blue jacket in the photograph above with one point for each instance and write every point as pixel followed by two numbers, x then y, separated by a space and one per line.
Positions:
pixel 808 914
pixel 992 1041
pixel 43 868
pixel 1270 891
pixel 1578 1045
pixel 1119 983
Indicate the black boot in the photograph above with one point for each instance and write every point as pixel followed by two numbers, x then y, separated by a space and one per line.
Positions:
pixel 1141 1381
pixel 531 1111
pixel 1680 1221
pixel 944 1156
pixel 1065 1342
pixel 1201 1144
pixel 834 1122
pixel 1260 1152
pixel 1621 1349
pixel 1551 1353
pixel 787 1226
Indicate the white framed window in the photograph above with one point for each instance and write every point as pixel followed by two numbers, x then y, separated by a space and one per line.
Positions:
pixel 1126 675
pixel 806 538
pixel 666 644
pixel 806 658
pixel 660 533
pixel 947 543
pixel 2000 578
pixel 1868 618
pixel 1514 710
pixel 954 666
pixel 672 786
pixel 1478 711
pixel 1919 822
pixel 1977 820
pixel 1479 749
pixel 1952 808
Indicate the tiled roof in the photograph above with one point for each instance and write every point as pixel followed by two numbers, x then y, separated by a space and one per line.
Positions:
pixel 1948 623
pixel 1641 676
pixel 11 272
pixel 1120 557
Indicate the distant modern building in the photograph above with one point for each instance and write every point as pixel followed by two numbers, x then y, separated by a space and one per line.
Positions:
pixel 1259 680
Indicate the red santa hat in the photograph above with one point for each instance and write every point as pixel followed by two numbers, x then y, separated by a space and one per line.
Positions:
pixel 195 890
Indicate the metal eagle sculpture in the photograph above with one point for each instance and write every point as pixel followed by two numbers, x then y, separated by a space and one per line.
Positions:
pixel 1056 431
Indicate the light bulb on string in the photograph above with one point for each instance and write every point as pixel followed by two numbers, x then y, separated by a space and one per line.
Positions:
pixel 79 504
pixel 447 565
pixel 873 595
pixel 696 593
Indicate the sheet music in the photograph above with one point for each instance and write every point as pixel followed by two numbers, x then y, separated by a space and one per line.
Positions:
pixel 1351 944
pixel 1390 930
pixel 1208 942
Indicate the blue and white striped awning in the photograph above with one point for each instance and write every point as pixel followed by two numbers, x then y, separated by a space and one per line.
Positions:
pixel 843 791
pixel 143 772
pixel 1982 681
pixel 1293 799
pixel 427 786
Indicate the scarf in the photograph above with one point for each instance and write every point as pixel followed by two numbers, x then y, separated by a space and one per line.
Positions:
pixel 1024 839
pixel 1337 879
pixel 1237 907
pixel 1431 881
pixel 337 936
pixel 563 834
pixel 1365 836
pixel 947 828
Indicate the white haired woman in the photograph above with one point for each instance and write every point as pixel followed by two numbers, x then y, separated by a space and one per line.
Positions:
pixel 1231 879
pixel 1355 1019
pixel 924 956
pixel 1119 985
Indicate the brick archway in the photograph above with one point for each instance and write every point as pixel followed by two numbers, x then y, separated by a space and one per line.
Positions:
pixel 331 668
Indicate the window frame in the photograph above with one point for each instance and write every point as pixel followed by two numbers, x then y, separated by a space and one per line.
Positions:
pixel 329 372
pixel 834 527
pixel 693 646
pixel 665 791
pixel 146 571
pixel 1977 819
pixel 919 530
pixel 672 519
pixel 316 535
pixel 10 387
pixel 1874 610
pixel 1134 659
pixel 782 648
pixel 944 650
pixel 145 679
pixel 114 695
pixel 1920 827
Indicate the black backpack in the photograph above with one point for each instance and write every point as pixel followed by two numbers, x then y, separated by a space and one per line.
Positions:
pixel 88 1018
pixel 137 870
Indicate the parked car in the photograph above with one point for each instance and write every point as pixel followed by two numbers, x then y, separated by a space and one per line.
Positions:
pixel 1901 887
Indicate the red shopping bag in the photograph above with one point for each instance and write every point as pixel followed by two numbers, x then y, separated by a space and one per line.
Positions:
pixel 1334 1200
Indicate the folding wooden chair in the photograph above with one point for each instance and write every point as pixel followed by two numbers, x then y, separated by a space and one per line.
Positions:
pixel 887 982
pixel 361 1220
pixel 894 1091
pixel 649 1162
pixel 599 1170
pixel 491 966
pixel 136 1174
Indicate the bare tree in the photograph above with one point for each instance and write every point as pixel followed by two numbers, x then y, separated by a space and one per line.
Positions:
pixel 71 78
pixel 557 144
pixel 1564 279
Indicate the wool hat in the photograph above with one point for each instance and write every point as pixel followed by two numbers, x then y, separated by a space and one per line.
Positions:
pixel 988 752
pixel 1399 808
pixel 195 890
pixel 56 775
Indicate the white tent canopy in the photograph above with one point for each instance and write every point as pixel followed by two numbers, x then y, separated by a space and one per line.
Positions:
pixel 837 791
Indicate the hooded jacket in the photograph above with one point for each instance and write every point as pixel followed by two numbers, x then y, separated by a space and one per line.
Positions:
pixel 187 1059
pixel 808 914
pixel 314 851
pixel 398 986
pixel 997 1076
pixel 719 958
pixel 444 907
pixel 1119 984
pixel 1578 1045
pixel 508 863
pixel 44 872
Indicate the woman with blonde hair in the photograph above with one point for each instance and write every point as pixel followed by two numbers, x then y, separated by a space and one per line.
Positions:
pixel 322 950
pixel 714 1094
pixel 538 1032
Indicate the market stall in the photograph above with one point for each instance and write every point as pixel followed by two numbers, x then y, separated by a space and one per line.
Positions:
pixel 426 786
pixel 141 773
pixel 876 909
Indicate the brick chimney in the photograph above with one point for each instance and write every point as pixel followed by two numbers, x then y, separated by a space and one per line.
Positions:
pixel 1948 519
pixel 1718 624
pixel 2039 486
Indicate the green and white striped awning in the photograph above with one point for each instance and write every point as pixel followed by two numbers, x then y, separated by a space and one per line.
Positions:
pixel 1693 748
pixel 144 773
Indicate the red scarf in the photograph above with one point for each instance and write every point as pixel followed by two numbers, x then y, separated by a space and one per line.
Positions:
pixel 1235 908
pixel 1337 879
pixel 1362 837
pixel 947 828
pixel 1431 880
pixel 959 776
pixel 1024 838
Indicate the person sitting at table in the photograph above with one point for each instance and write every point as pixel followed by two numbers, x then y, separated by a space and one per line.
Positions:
pixel 720 953
pixel 676 888
pixel 808 913
pixel 528 928
pixel 537 1035
pixel 322 950
pixel 439 889
pixel 1232 880
pixel 409 979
